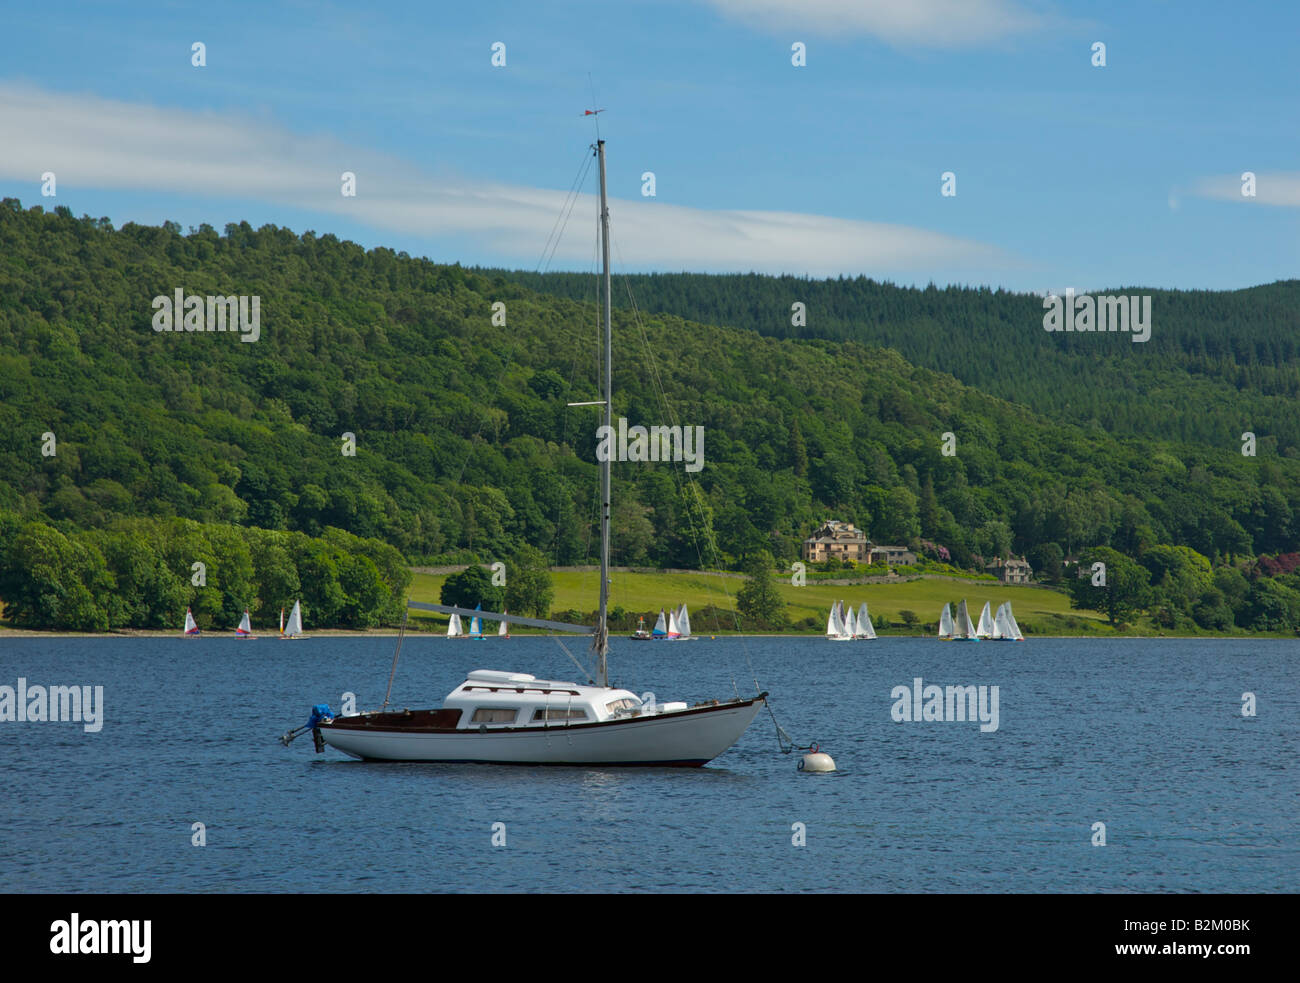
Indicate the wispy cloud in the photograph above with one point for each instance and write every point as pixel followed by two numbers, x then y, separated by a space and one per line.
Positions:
pixel 104 144
pixel 906 23
pixel 1277 188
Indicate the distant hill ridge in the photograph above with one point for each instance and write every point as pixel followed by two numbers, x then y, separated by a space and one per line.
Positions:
pixel 465 447
pixel 1217 363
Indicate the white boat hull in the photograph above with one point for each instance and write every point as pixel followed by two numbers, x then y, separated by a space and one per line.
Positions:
pixel 679 738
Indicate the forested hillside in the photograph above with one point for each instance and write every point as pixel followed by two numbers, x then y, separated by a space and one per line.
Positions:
pixel 1217 363
pixel 465 447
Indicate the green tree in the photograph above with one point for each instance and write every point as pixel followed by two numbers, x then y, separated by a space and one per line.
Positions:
pixel 1046 559
pixel 1272 607
pixel 1179 577
pixel 1125 592
pixel 529 588
pixel 797 457
pixel 758 599
pixel 50 581
pixel 470 588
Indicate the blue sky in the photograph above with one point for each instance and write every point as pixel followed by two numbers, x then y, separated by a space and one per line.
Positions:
pixel 1066 174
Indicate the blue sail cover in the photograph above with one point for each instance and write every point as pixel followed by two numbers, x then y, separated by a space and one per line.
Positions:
pixel 320 713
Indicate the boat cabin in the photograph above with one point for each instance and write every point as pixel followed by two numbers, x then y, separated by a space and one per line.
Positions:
pixel 489 698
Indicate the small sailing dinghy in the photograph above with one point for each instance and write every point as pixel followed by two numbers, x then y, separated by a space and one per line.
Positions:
pixel 454 627
pixel 503 629
pixel 985 629
pixel 1013 625
pixel 865 628
pixel 476 624
pixel 666 628
pixel 945 624
pixel 245 629
pixel 293 627
pixel 504 717
pixel 835 628
pixel 963 630
pixel 191 627
pixel 1005 627
pixel 660 630
pixel 683 622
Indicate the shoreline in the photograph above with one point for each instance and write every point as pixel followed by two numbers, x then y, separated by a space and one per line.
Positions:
pixel 392 633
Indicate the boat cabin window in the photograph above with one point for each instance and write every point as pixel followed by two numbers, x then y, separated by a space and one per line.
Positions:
pixel 627 703
pixel 494 715
pixel 551 713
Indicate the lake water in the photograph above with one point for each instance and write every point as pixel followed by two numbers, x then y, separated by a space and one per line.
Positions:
pixel 1145 736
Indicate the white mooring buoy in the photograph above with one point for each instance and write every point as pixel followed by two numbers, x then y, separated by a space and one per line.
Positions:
pixel 816 760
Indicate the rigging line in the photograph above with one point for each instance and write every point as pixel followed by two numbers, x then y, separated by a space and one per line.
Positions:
pixel 401 634
pixel 582 669
pixel 593 516
pixel 692 484
pixel 565 210
pixel 565 425
pixel 570 204
pixel 583 166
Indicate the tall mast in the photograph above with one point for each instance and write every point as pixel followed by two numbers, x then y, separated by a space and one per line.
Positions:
pixel 602 628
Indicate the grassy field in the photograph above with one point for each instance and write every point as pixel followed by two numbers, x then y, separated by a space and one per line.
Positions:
pixel 1042 611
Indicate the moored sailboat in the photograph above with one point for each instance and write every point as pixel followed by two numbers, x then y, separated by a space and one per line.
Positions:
pixel 191 627
pixel 245 629
pixel 510 717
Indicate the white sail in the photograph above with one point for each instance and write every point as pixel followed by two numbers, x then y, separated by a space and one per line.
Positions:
pixel 945 622
pixel 851 624
pixel 661 625
pixel 295 620
pixel 454 629
pixel 245 625
pixel 503 629
pixel 865 628
pixel 673 630
pixel 836 630
pixel 1001 627
pixel 294 626
pixel 684 621
pixel 963 628
pixel 191 628
pixel 1014 629
pixel 985 629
